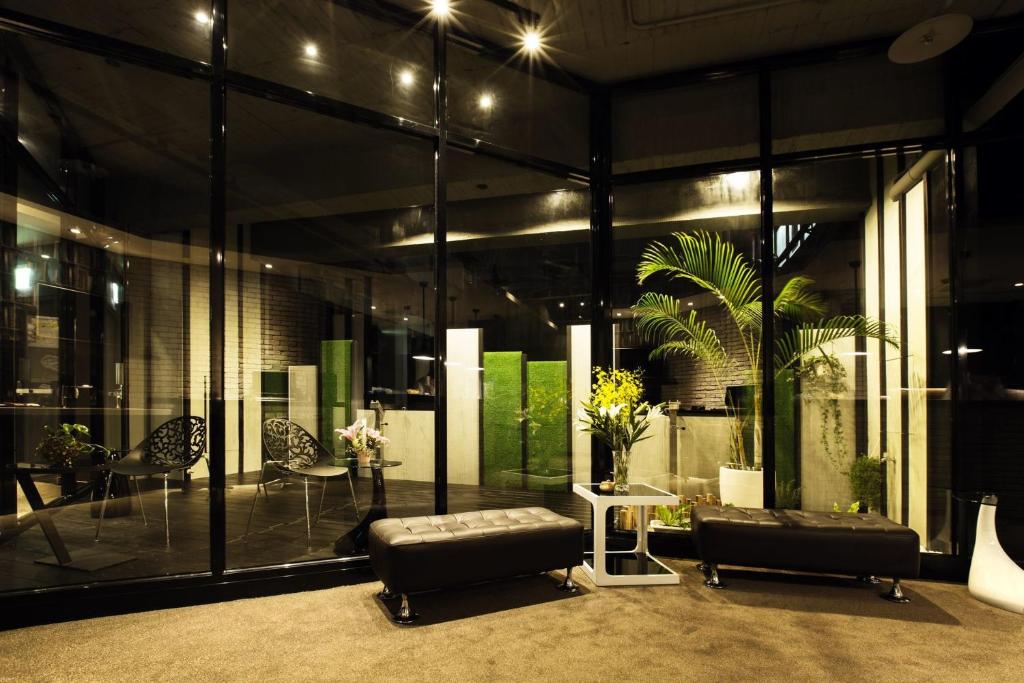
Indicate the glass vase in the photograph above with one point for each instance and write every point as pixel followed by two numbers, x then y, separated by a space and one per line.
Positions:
pixel 621 459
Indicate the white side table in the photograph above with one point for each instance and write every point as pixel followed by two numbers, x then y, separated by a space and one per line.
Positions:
pixel 630 567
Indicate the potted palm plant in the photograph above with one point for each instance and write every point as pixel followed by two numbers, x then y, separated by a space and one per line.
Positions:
pixel 709 262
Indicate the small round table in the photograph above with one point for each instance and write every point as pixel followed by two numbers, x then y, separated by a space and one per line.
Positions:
pixel 355 542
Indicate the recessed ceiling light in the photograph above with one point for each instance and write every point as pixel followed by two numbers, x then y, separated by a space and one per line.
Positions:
pixel 689 303
pixel 373 308
pixel 486 101
pixel 268 266
pixel 561 304
pixel 44 256
pixel 405 318
pixel 618 314
pixel 406 78
pixel 202 17
pixel 440 8
pixel 1018 284
pixel 311 50
pixel 532 41
pixel 76 230
pixel 582 304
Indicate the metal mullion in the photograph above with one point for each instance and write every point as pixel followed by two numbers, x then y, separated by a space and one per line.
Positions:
pixel 767 249
pixel 513 156
pixel 217 424
pixel 440 268
pixel 602 255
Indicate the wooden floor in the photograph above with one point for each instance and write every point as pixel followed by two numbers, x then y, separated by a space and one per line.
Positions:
pixel 277 536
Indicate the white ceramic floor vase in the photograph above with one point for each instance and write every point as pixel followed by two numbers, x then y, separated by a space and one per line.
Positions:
pixel 995 578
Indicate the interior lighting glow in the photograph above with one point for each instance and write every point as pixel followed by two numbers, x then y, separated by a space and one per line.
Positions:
pixel 406 78
pixel 311 50
pixel 532 40
pixel 202 17
pixel 440 8
pixel 23 278
pixel 486 101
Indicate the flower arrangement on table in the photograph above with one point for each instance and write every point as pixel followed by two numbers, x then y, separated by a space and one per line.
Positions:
pixel 362 441
pixel 63 446
pixel 618 416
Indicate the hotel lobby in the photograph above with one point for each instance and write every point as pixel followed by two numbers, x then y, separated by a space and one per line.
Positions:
pixel 472 338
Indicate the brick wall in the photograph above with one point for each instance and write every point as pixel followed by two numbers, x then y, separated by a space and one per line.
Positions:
pixel 689 381
pixel 293 323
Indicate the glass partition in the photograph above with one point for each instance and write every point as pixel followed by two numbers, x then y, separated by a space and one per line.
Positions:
pixel 518 337
pixel 105 359
pixel 706 448
pixel 862 401
pixel 328 311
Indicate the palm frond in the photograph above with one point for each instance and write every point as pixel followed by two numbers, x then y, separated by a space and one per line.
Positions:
pixel 660 318
pixel 806 337
pixel 795 301
pixel 708 262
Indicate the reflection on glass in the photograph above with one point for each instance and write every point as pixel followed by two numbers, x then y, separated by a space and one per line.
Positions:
pixel 328 314
pixel 706 448
pixel 518 338
pixel 859 414
pixel 104 373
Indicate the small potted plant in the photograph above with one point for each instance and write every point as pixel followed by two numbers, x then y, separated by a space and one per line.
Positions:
pixel 67 444
pixel 616 414
pixel 362 442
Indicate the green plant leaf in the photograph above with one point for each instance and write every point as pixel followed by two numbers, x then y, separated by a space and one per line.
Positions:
pixel 660 318
pixel 796 343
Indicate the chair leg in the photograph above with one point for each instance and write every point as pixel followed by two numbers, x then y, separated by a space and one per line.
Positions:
pixel 142 509
pixel 386 594
pixel 405 614
pixel 252 508
pixel 309 529
pixel 103 505
pixel 320 510
pixel 352 488
pixel 167 516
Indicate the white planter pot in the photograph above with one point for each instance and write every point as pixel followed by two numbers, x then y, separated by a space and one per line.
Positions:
pixel 742 488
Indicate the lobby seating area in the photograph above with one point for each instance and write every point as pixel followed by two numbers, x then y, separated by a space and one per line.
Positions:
pixel 511 340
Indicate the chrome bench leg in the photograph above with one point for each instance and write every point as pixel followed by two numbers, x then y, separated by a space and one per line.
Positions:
pixel 869 578
pixel 568 585
pixel 711 579
pixel 405 614
pixel 895 593
pixel 386 594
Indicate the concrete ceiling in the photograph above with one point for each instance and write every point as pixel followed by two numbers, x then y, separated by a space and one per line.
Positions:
pixel 614 40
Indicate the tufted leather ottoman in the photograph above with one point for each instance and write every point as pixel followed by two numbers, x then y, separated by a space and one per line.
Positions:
pixel 864 545
pixel 412 554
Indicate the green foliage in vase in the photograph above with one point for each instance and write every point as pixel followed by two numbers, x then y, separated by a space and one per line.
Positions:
pixel 866 481
pixel 63 446
pixel 714 265
pixel 616 412
pixel 823 378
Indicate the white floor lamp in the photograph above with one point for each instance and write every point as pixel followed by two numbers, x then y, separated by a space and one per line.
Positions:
pixel 995 578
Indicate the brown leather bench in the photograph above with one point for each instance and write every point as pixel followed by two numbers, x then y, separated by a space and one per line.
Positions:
pixel 413 554
pixel 864 545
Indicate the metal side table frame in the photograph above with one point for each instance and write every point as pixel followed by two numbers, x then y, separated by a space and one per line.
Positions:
pixel 635 567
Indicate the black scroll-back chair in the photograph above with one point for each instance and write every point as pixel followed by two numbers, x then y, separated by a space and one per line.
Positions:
pixel 294 452
pixel 175 445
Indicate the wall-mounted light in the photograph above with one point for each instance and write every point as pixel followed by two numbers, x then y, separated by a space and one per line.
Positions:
pixel 485 101
pixel 23 278
pixel 311 50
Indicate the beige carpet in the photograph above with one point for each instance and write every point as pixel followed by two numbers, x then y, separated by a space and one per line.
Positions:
pixel 767 626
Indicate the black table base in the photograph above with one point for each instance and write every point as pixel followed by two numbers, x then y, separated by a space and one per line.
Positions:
pixel 356 541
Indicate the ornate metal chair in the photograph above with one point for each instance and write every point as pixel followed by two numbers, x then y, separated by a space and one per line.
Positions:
pixel 295 452
pixel 175 445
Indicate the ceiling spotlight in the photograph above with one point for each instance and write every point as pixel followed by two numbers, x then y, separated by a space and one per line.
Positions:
pixel 311 50
pixel 486 101
pixel 202 17
pixel 531 40
pixel 44 256
pixel 405 318
pixel 1018 284
pixel 373 308
pixel 561 304
pixel 268 266
pixel 689 303
pixel 582 304
pixel 406 78
pixel 440 8
pixel 76 230
pixel 618 314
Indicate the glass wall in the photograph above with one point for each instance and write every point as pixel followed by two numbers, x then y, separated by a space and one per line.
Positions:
pixel 518 337
pixel 104 216
pixel 707 445
pixel 862 401
pixel 328 315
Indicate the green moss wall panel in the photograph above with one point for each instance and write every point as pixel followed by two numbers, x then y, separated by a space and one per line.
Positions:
pixel 502 408
pixel 335 388
pixel 547 450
